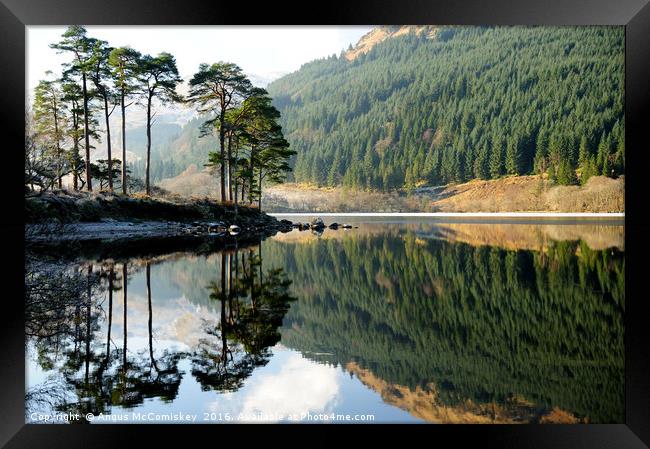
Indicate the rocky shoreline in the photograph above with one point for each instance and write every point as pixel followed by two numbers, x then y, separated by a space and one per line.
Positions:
pixel 125 239
pixel 119 230
pixel 111 229
pixel 128 238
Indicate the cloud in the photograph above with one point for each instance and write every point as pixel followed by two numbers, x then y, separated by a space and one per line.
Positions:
pixel 299 387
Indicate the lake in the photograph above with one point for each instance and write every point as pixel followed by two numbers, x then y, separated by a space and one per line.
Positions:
pixel 399 320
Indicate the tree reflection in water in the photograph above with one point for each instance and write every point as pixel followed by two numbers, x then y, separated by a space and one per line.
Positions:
pixel 253 305
pixel 65 308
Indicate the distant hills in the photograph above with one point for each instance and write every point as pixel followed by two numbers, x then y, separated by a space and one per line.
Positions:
pixel 413 106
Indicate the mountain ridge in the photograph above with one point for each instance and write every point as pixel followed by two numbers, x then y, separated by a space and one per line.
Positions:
pixel 381 33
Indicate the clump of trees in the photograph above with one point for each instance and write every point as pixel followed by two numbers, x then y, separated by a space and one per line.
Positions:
pixel 252 148
pixel 98 78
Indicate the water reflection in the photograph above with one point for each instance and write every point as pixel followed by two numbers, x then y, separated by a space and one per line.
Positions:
pixel 253 305
pixel 460 332
pixel 97 376
pixel 440 323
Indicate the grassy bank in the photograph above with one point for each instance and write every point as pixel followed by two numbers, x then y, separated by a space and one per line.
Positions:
pixel 72 207
pixel 508 194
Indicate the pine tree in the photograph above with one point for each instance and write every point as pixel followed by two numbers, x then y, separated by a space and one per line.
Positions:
pixel 49 124
pixel 216 89
pixel 513 156
pixel 101 77
pixel 482 169
pixel 496 164
pixel 452 87
pixel 124 64
pixel 76 42
pixel 159 78
pixel 565 173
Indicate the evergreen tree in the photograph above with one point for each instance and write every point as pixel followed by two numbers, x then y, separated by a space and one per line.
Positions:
pixel 513 156
pixel 124 62
pixel 49 123
pixel 101 77
pixel 76 42
pixel 159 78
pixel 216 89
pixel 496 164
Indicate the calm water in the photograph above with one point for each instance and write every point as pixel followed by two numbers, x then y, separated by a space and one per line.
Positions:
pixel 396 321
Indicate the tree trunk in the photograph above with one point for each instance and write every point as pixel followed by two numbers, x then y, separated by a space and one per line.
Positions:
pixel 58 146
pixel 75 169
pixel 260 254
pixel 146 176
pixel 110 313
pixel 124 282
pixel 108 144
pixel 89 185
pixel 89 292
pixel 230 167
pixel 124 191
pixel 222 149
pixel 153 361
pixel 254 291
pixel 252 177
pixel 259 199
pixel 224 340
pixel 235 196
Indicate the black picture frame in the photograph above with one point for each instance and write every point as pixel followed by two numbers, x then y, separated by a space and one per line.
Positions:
pixel 15 15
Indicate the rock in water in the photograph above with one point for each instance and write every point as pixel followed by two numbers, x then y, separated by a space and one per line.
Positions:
pixel 334 225
pixel 317 223
pixel 347 226
pixel 215 227
pixel 234 229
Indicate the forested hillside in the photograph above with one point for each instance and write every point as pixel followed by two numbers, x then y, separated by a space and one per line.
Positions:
pixel 449 104
pixel 175 153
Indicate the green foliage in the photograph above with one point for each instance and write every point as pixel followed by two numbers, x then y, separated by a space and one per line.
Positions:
pixel 566 175
pixel 217 89
pixel 49 126
pixel 101 172
pixel 124 63
pixel 415 109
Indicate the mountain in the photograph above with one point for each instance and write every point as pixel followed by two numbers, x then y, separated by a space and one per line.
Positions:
pixel 413 106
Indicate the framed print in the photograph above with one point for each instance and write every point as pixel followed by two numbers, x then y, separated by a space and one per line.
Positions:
pixel 371 214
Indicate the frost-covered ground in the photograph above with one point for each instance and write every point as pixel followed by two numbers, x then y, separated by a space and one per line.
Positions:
pixel 104 230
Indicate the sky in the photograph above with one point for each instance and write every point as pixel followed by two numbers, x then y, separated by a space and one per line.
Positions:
pixel 265 53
